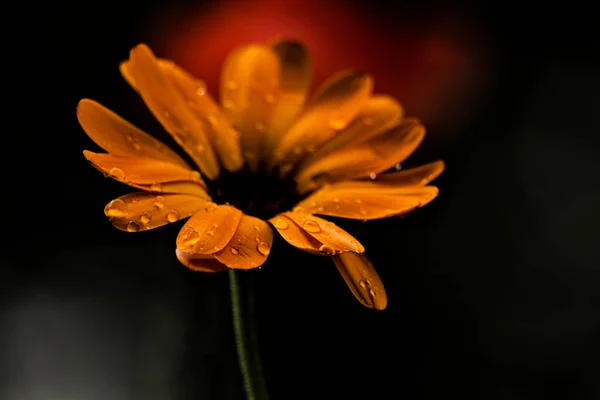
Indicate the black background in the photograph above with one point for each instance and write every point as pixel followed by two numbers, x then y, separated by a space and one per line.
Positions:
pixel 494 288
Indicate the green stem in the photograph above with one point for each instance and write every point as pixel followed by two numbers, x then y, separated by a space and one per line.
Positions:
pixel 247 349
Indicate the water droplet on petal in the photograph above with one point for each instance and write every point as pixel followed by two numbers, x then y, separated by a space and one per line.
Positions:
pixel 398 167
pixel 210 206
pixel 145 218
pixel 116 208
pixel 173 215
pixel 156 187
pixel 235 251
pixel 281 223
pixel 363 284
pixel 372 175
pixel 311 226
pixel 159 202
pixel 328 250
pixel 190 237
pixel 133 226
pixel 320 209
pixel 201 90
pixel 264 248
pixel 298 209
pixel 117 173
pixel 136 145
pixel 362 211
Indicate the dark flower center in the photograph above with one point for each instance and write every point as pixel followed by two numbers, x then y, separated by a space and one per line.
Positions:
pixel 260 194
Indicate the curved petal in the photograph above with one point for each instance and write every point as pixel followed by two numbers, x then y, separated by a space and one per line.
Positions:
pixel 367 200
pixel 250 245
pixel 295 78
pixel 209 230
pixel 141 211
pixel 371 157
pixel 328 238
pixel 148 174
pixel 331 109
pixel 170 109
pixel 119 137
pixel 221 133
pixel 249 84
pixel 420 176
pixel 362 279
pixel 199 262
pixel 377 114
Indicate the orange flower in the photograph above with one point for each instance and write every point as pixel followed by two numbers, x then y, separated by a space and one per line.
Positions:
pixel 267 152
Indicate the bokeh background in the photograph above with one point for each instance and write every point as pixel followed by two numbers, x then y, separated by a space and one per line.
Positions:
pixel 494 288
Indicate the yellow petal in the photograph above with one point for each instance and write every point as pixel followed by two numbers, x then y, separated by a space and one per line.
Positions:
pixel 421 175
pixel 141 211
pixel 170 109
pixel 377 114
pixel 371 157
pixel 331 238
pixel 221 133
pixel 249 247
pixel 209 230
pixel 199 262
pixel 148 174
pixel 362 279
pixel 119 137
pixel 367 200
pixel 249 85
pixel 332 108
pixel 295 77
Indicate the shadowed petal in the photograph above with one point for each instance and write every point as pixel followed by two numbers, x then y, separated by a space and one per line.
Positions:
pixel 249 247
pixel 362 279
pixel 421 175
pixel 199 262
pixel 331 109
pixel 314 234
pixel 141 211
pixel 367 200
pixel 148 174
pixel 209 230
pixel 170 109
pixel 371 157
pixel 119 137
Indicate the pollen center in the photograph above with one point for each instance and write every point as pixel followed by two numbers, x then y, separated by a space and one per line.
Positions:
pixel 260 194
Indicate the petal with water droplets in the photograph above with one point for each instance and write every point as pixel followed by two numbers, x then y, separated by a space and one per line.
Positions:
pixel 119 137
pixel 249 85
pixel 331 109
pixel 362 279
pixel 141 211
pixel 420 176
pixel 249 247
pixel 367 200
pixel 373 156
pixel 295 235
pixel 209 230
pixel 199 262
pixel 170 109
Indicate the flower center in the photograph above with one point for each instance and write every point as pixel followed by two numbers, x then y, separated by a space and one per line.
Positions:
pixel 259 194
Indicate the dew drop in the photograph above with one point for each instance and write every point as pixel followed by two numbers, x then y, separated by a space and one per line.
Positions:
pixel 362 211
pixel 117 173
pixel 321 209
pixel 133 226
pixel 210 206
pixel 372 293
pixel 116 208
pixel 264 248
pixel 159 202
pixel 398 167
pixel 311 226
pixel 190 237
pixel 235 251
pixel 145 218
pixel 298 209
pixel 201 90
pixel 337 124
pixel 173 215
pixel 363 284
pixel 136 145
pixel 135 200
pixel 328 250
pixel 372 175
pixel 156 187
pixel 281 223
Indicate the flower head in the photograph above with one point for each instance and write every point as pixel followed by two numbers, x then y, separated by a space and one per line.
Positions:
pixel 266 152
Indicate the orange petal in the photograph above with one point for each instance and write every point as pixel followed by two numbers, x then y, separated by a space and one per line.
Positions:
pixel 125 69
pixel 330 239
pixel 249 88
pixel 119 137
pixel 367 200
pixel 295 77
pixel 148 174
pixel 249 247
pixel 209 230
pixel 362 279
pixel 221 133
pixel 199 262
pixel 332 108
pixel 170 109
pixel 142 210
pixel 371 157
pixel 421 175
pixel 378 114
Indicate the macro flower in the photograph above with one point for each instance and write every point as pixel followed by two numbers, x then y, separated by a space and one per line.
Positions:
pixel 267 155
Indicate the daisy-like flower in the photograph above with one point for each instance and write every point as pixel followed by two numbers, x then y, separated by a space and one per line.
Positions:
pixel 266 152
